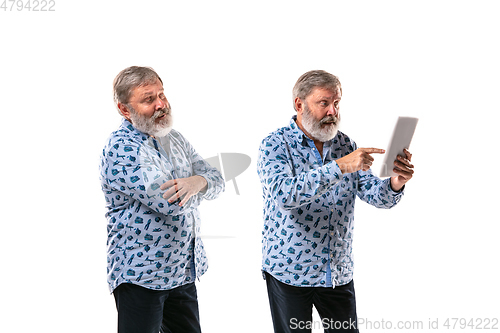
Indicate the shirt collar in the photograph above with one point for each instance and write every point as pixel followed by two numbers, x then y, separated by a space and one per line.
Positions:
pixel 127 126
pixel 297 133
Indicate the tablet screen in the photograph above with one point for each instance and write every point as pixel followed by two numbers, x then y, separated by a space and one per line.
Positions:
pixel 401 139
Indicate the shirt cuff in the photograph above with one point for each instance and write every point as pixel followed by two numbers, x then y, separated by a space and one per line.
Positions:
pixel 397 192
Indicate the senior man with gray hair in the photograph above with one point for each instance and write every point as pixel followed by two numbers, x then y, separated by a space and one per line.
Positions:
pixel 311 174
pixel 153 181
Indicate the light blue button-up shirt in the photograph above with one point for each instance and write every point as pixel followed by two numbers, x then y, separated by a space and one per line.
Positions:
pixel 152 243
pixel 309 207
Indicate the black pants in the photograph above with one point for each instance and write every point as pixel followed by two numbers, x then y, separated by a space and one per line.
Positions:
pixel 141 310
pixel 291 307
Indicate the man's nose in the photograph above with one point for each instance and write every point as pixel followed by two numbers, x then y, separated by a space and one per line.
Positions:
pixel 160 104
pixel 332 111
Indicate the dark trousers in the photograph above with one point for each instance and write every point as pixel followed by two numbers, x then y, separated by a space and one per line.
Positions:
pixel 141 310
pixel 291 307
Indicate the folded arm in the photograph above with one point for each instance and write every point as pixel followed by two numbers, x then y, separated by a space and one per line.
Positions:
pixel 206 181
pixel 129 168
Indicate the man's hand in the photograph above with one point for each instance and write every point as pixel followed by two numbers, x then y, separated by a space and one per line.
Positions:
pixel 404 170
pixel 359 159
pixel 183 188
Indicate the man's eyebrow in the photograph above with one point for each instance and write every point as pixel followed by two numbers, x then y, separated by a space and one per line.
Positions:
pixel 325 97
pixel 146 94
pixel 149 93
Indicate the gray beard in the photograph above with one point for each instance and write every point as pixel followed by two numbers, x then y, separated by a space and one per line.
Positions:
pixel 321 130
pixel 149 125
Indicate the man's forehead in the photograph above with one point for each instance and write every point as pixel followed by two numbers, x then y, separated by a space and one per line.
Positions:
pixel 148 89
pixel 326 92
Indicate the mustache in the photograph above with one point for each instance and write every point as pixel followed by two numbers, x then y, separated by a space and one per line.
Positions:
pixel 329 119
pixel 160 113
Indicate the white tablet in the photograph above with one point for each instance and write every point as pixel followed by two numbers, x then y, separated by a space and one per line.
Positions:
pixel 401 139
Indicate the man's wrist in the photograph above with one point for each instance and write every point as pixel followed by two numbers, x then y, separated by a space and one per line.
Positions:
pixel 204 184
pixel 395 188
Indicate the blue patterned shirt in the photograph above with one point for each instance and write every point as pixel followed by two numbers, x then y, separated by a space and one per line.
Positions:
pixel 150 242
pixel 309 207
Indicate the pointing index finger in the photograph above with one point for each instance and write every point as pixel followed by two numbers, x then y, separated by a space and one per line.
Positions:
pixel 373 150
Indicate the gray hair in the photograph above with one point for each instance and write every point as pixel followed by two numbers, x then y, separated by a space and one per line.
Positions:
pixel 313 79
pixel 129 79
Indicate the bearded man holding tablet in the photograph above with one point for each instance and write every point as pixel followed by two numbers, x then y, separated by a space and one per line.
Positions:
pixel 311 174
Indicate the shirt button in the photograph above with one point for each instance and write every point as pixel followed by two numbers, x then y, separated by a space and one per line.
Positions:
pixel 331 255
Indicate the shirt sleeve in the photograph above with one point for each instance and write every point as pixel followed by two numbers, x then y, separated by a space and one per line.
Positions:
pixel 278 178
pixel 375 191
pixel 134 172
pixel 215 181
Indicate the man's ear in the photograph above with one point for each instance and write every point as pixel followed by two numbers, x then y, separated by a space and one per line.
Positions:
pixel 124 110
pixel 299 106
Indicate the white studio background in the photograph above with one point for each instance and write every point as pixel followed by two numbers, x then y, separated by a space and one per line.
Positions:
pixel 229 68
